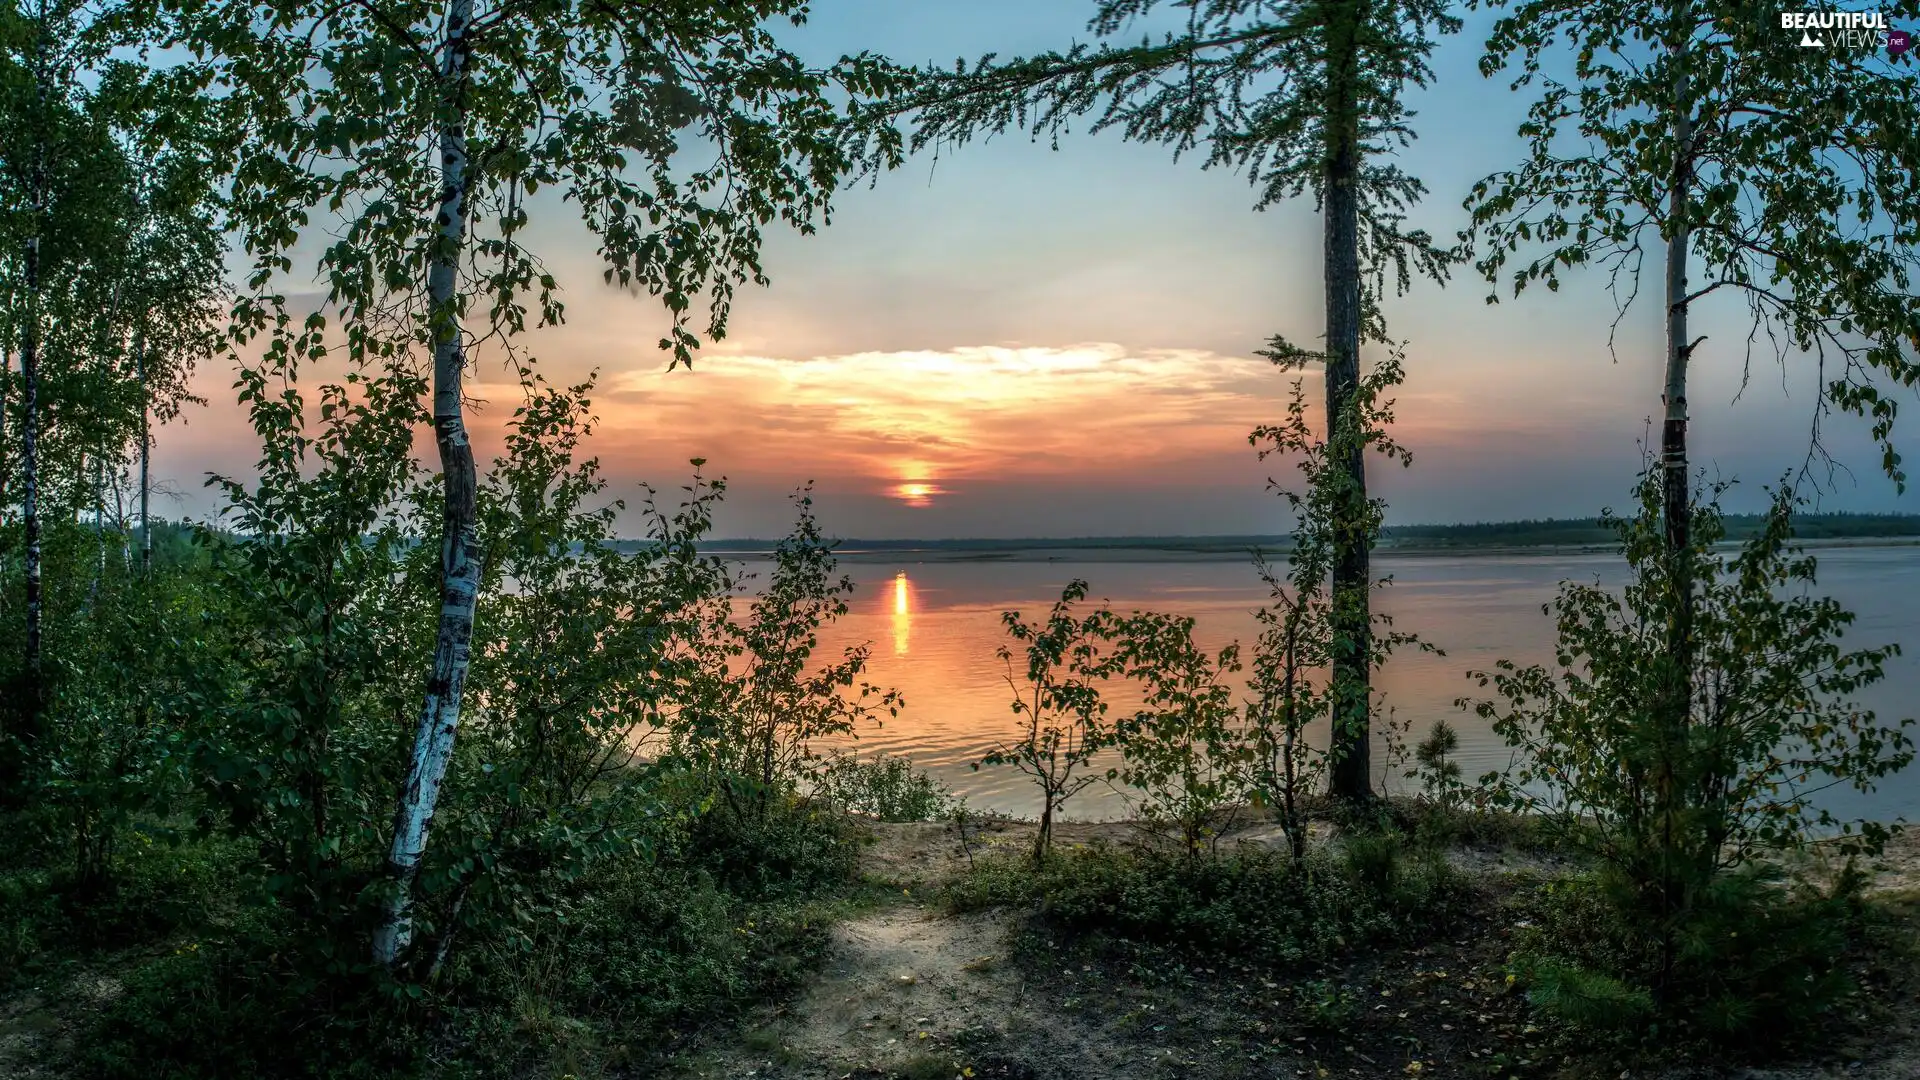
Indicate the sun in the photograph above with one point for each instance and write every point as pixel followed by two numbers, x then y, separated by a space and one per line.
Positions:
pixel 917 492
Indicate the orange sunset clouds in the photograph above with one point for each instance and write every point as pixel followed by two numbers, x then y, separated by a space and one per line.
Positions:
pixel 915 424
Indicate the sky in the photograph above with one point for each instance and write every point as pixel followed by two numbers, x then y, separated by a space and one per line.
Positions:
pixel 1010 340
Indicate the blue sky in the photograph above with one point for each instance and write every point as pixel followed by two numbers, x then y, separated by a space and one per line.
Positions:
pixel 1016 341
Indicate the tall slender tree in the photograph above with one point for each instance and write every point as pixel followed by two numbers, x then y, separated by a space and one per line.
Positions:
pixel 34 105
pixel 1778 173
pixel 173 278
pixel 62 180
pixel 1307 96
pixel 423 133
pixel 1763 168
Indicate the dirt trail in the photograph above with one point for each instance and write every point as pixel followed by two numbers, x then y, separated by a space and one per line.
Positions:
pixel 911 988
pixel 915 992
pixel 912 992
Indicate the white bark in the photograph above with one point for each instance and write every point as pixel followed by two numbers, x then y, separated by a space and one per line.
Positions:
pixel 146 453
pixel 460 564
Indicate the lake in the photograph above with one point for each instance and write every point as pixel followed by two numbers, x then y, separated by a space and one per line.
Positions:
pixel 934 626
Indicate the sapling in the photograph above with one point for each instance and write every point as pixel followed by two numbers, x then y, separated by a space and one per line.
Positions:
pixel 1054 672
pixel 1184 754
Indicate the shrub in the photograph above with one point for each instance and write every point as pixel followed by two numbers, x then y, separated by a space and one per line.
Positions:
pixel 794 850
pixel 1438 771
pixel 887 788
pixel 637 953
pixel 1691 803
pixel 149 891
pixel 1056 699
pixel 1760 958
pixel 1183 754
pixel 1250 904
pixel 751 700
pixel 233 1004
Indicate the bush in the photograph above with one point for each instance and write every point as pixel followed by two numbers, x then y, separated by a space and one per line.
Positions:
pixel 1689 776
pixel 151 890
pixel 1254 905
pixel 636 953
pixel 1184 754
pixel 1761 961
pixel 1056 703
pixel 237 1004
pixel 794 851
pixel 887 788
pixel 731 913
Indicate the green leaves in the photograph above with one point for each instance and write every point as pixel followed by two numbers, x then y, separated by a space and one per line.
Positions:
pixel 1055 675
pixel 750 700
pixel 1674 808
pixel 1249 85
pixel 1798 196
pixel 331 107
pixel 1184 753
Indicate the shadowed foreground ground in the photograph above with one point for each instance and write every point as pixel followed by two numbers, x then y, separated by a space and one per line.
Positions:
pixel 911 990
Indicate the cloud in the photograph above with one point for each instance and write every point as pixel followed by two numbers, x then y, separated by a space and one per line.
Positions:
pixel 939 417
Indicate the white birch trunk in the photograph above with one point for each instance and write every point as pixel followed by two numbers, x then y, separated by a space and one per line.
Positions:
pixel 6 397
pixel 146 452
pixel 460 564
pixel 30 404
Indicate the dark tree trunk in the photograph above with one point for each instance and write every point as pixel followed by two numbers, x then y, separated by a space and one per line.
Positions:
pixel 459 552
pixel 1352 625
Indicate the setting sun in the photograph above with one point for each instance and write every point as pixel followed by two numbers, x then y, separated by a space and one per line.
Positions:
pixel 917 494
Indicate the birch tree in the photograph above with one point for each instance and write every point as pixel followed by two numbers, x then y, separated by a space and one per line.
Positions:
pixel 30 86
pixel 63 183
pixel 423 133
pixel 1307 97
pixel 1754 167
pixel 173 281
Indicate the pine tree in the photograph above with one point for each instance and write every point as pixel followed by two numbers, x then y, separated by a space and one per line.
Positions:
pixel 1306 96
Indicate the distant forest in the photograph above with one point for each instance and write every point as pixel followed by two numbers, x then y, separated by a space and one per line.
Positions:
pixel 1532 532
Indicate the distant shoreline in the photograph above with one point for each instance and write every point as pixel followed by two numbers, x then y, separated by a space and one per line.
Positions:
pixel 1548 536
pixel 1094 552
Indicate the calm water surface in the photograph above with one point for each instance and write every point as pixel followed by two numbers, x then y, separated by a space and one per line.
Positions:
pixel 934 627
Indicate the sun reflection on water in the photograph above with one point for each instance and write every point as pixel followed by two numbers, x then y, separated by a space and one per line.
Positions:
pixel 902 613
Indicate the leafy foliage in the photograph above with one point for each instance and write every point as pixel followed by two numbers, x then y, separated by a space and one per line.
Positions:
pixel 883 787
pixel 1056 701
pixel 1291 680
pixel 754 705
pixel 1683 817
pixel 1770 726
pixel 1182 753
pixel 1792 170
pixel 1250 904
